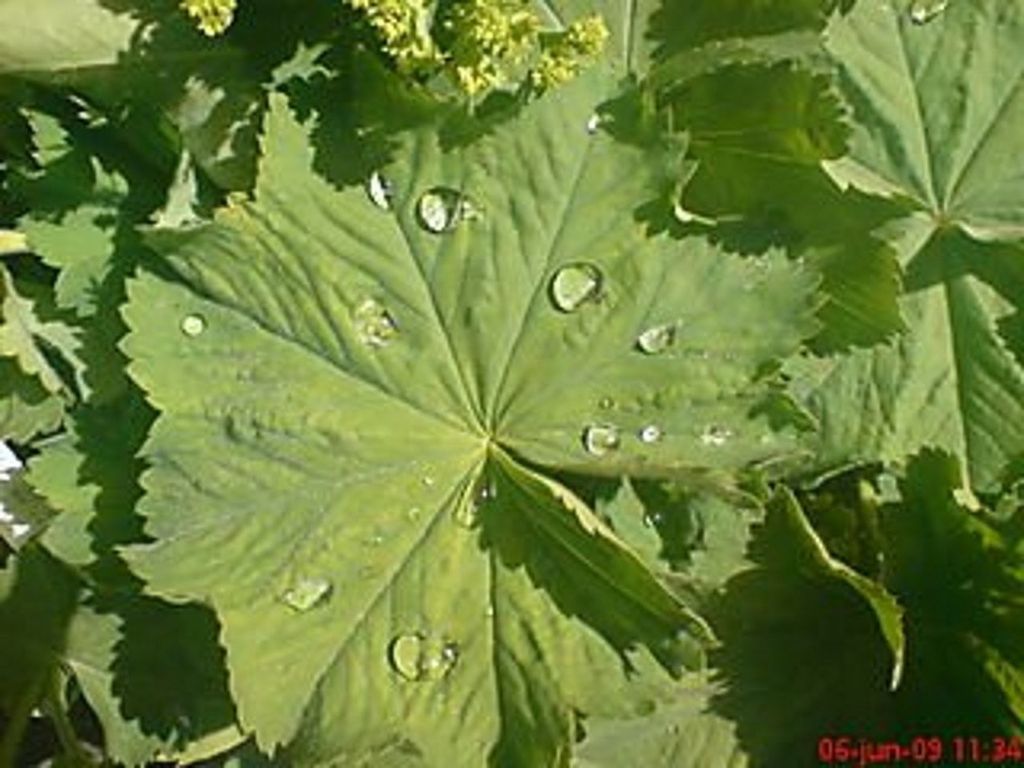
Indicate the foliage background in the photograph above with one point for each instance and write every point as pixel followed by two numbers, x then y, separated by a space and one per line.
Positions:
pixel 310 480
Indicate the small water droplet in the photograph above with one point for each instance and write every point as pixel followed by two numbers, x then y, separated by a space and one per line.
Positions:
pixel 652 433
pixel 379 190
pixel 428 481
pixel 594 123
pixel 374 325
pixel 575 284
pixel 441 209
pixel 414 514
pixel 606 403
pixel 307 593
pixel 417 657
pixel 652 520
pixel 601 439
pixel 193 325
pixel 489 612
pixel 923 11
pixel 656 339
pixel 715 436
pixel 467 513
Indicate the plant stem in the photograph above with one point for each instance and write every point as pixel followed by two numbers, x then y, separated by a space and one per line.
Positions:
pixel 54 707
pixel 20 715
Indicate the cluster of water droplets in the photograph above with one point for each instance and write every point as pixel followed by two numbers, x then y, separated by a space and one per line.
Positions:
pixel 420 656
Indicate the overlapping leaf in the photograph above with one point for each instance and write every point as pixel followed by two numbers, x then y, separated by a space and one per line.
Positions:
pixel 341 387
pixel 955 378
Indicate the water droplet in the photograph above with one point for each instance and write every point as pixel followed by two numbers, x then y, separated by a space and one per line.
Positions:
pixel 606 403
pixel 467 512
pixel 601 439
pixel 414 514
pixel 373 323
pixel 575 284
pixel 428 481
pixel 594 123
pixel 715 436
pixel 923 11
pixel 652 520
pixel 650 434
pixel 417 657
pixel 307 593
pixel 441 209
pixel 489 612
pixel 193 325
pixel 379 190
pixel 404 655
pixel 656 339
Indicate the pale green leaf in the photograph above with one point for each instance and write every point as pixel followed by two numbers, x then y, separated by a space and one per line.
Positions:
pixel 36 38
pixel 937 107
pixel 339 385
pixel 29 339
pixel 684 733
pixel 951 380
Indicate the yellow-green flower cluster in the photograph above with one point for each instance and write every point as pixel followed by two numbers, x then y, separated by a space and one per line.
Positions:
pixel 567 54
pixel 211 16
pixel 489 39
pixel 404 29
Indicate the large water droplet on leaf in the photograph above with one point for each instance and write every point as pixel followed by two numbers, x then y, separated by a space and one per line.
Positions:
pixel 715 436
pixel 575 284
pixel 373 323
pixel 601 439
pixel 441 209
pixel 193 325
pixel 417 657
pixel 656 339
pixel 923 11
pixel 379 190
pixel 307 593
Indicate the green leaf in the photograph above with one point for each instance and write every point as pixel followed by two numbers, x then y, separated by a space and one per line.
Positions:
pixel 37 600
pixel 937 108
pixel 33 44
pixel 950 381
pixel 681 734
pixel 26 408
pixel 962 584
pixel 153 699
pixel 340 382
pixel 44 349
pixel 810 552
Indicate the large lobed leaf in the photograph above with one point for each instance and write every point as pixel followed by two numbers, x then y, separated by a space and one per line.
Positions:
pixel 937 107
pixel 354 408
